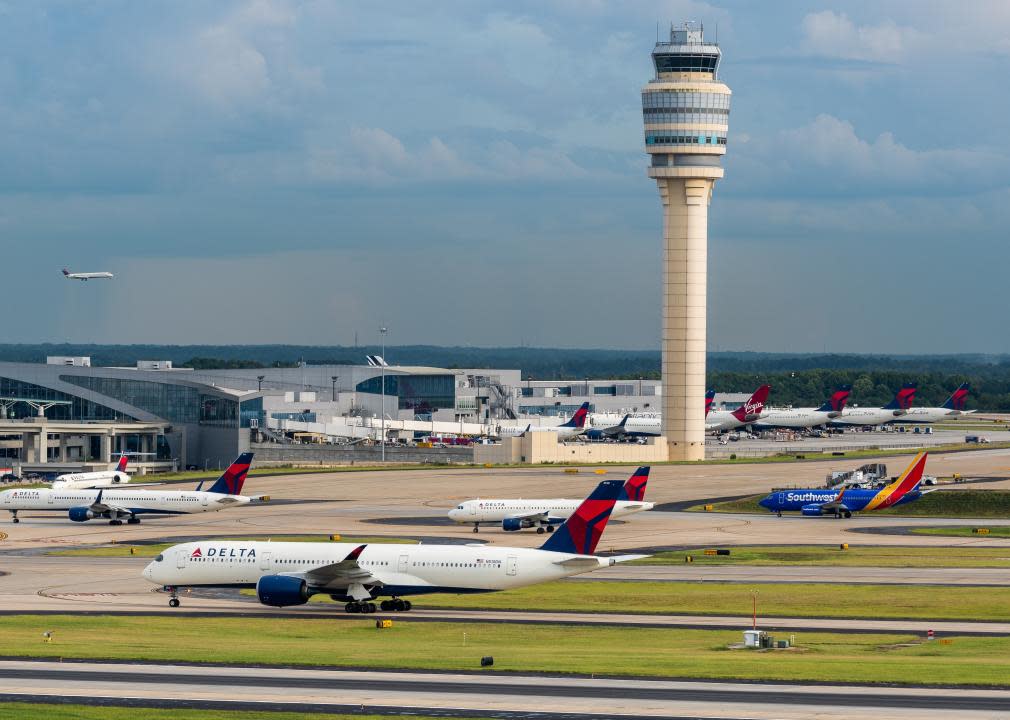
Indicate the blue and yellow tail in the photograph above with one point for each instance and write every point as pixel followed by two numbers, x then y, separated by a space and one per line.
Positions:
pixel 581 532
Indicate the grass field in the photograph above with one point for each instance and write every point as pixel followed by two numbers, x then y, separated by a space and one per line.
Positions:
pixel 995 531
pixel 855 556
pixel 945 503
pixel 614 651
pixel 45 711
pixel 124 550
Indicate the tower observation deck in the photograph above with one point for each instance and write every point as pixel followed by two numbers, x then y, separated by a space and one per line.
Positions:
pixel 686 114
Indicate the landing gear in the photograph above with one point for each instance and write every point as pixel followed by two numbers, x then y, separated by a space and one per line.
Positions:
pixel 14 516
pixel 540 530
pixel 363 607
pixel 395 605
pixel 116 521
pixel 476 527
pixel 133 520
pixel 173 598
pixel 779 513
pixel 550 528
pixel 848 514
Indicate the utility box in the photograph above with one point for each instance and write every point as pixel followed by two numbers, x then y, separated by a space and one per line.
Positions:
pixel 754 638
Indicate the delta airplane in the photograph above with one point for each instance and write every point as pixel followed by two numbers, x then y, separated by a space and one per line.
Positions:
pixel 749 412
pixel 82 505
pixel 575 426
pixel 545 514
pixel 85 276
pixel 639 426
pixel 899 406
pixel 806 417
pixel 842 503
pixel 289 573
pixel 952 408
pixel 94 480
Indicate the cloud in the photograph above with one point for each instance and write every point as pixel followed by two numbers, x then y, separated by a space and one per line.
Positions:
pixel 832 34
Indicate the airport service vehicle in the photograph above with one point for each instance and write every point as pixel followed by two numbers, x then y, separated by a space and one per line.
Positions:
pixel 82 505
pixel 575 426
pixel 952 408
pixel 85 276
pixel 799 418
pixel 99 479
pixel 750 412
pixel 899 406
pixel 545 514
pixel 289 573
pixel 867 475
pixel 815 502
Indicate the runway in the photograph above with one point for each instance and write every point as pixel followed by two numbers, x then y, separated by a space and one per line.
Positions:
pixel 479 693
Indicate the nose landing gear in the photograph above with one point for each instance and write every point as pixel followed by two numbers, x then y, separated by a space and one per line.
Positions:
pixel 173 597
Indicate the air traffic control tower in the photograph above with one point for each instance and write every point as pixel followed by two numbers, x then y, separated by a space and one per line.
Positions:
pixel 686 112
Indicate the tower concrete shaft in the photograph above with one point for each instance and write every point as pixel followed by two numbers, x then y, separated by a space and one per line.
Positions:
pixel 686 113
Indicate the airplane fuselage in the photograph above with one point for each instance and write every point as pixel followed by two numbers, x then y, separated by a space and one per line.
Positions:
pixel 496 510
pixel 137 502
pixel 854 500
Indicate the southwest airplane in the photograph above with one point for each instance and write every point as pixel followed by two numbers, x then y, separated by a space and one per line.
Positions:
pixel 575 426
pixel 899 406
pixel 82 505
pixel 749 412
pixel 639 426
pixel 819 501
pixel 545 514
pixel 798 418
pixel 85 276
pixel 952 408
pixel 289 573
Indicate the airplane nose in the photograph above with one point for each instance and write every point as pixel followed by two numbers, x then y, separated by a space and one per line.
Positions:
pixel 149 572
pixel 764 502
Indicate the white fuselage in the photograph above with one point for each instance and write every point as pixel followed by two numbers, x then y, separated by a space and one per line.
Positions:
pixel 564 433
pixel 928 415
pixel 497 510
pixel 100 479
pixel 867 416
pixel 796 418
pixel 89 276
pixel 172 502
pixel 400 569
pixel 723 420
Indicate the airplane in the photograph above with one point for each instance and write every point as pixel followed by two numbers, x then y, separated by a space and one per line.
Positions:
pixel 85 276
pixel 99 479
pixel 82 505
pixel 289 573
pixel 953 407
pixel 575 426
pixel 545 514
pixel 842 503
pixel 806 417
pixel 639 426
pixel 749 412
pixel 899 406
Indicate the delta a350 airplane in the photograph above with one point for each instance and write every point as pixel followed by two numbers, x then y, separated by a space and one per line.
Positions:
pixel 545 514
pixel 87 275
pixel 951 409
pixel 82 505
pixel 842 503
pixel 289 573
pixel 799 418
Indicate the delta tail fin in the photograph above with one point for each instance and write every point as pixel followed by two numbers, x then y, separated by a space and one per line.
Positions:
pixel 709 397
pixel 836 403
pixel 581 532
pixel 634 488
pixel 958 397
pixel 578 420
pixel 121 465
pixel 232 479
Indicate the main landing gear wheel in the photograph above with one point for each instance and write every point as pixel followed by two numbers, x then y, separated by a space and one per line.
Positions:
pixel 14 517
pixel 779 513
pixel 848 514
pixel 550 528
pixel 395 605
pixel 540 530
pixel 360 607
pixel 133 521
pixel 115 522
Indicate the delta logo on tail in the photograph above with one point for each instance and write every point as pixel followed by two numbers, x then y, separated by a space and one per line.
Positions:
pixel 232 479
pixel 121 467
pixel 903 399
pixel 578 420
pixel 836 403
pixel 581 532
pixel 751 410
pixel 709 397
pixel 634 488
pixel 957 400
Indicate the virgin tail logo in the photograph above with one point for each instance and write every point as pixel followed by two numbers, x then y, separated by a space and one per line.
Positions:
pixel 751 410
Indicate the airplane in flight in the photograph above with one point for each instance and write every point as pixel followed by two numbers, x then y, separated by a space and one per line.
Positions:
pixel 82 505
pixel 952 408
pixel 545 514
pixel 289 573
pixel 842 503
pixel 576 425
pixel 750 412
pixel 899 406
pixel 638 426
pixel 798 418
pixel 85 276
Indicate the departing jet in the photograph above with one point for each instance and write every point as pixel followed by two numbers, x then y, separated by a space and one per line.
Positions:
pixel 751 411
pixel 951 409
pixel 899 406
pixel 87 275
pixel 799 418
pixel 289 573
pixel 576 425
pixel 545 514
pixel 842 503
pixel 82 505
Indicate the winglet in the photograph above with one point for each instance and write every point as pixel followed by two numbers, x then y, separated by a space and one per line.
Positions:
pixel 355 553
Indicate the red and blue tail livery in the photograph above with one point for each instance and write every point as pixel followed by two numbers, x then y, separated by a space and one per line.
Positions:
pixel 121 466
pixel 904 398
pixel 634 488
pixel 232 479
pixel 958 397
pixel 709 397
pixel 836 403
pixel 578 420
pixel 581 532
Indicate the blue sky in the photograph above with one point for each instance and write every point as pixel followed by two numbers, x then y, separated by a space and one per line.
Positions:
pixel 473 173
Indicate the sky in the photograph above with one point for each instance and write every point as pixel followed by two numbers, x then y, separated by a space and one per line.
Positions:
pixel 473 173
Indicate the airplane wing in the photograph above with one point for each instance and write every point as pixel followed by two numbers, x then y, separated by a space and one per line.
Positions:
pixel 836 504
pixel 105 507
pixel 590 561
pixel 541 515
pixel 339 574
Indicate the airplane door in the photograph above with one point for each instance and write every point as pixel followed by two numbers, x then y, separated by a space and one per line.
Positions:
pixel 204 499
pixel 782 498
pixel 402 563
pixel 180 560
pixel 50 496
pixel 265 561
pixel 511 565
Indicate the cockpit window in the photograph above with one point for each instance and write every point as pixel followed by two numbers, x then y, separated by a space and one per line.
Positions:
pixel 159 558
pixel 459 507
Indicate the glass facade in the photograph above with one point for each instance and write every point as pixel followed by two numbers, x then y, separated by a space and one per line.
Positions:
pixel 251 410
pixel 78 409
pixel 683 62
pixel 420 393
pixel 168 401
pixel 669 139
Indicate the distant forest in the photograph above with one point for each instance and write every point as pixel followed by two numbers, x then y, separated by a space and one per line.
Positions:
pixel 795 379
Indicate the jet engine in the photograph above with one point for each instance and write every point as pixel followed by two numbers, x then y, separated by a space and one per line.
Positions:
pixel 282 590
pixel 513 524
pixel 811 510
pixel 81 514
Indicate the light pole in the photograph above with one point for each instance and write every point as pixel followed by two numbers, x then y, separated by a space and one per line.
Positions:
pixel 382 421
pixel 333 390
pixel 260 379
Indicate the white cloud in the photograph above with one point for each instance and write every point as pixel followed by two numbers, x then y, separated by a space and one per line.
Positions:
pixel 833 34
